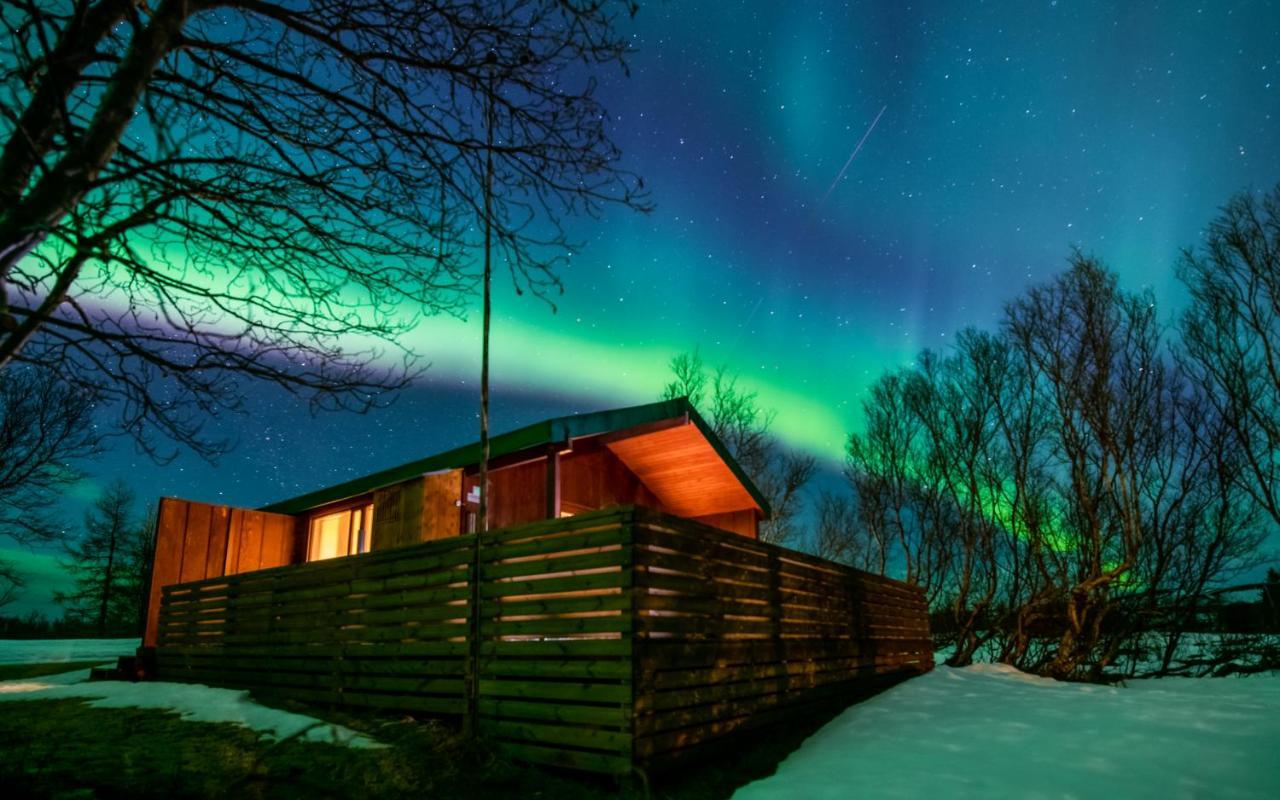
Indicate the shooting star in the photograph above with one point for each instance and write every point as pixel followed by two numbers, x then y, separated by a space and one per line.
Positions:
pixel 852 155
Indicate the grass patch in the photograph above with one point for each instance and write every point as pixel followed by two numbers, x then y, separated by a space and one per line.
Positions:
pixel 64 748
pixel 9 672
pixel 58 748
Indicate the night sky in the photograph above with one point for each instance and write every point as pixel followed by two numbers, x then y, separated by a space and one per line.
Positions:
pixel 993 139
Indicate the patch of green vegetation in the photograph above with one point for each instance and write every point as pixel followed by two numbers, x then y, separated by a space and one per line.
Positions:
pixel 10 672
pixel 64 748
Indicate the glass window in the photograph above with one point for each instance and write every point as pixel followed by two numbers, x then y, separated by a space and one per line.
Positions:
pixel 341 533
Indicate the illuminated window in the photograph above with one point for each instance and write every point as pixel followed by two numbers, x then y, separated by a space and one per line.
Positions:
pixel 341 533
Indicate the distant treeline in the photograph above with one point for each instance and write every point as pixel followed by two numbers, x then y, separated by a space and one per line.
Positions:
pixel 37 625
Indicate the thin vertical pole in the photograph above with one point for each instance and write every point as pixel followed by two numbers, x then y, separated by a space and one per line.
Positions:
pixel 482 523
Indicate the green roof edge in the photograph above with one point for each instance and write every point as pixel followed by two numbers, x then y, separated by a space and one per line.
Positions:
pixel 557 429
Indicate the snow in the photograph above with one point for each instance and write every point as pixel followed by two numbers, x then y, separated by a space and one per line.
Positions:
pixel 191 702
pixel 50 651
pixel 991 731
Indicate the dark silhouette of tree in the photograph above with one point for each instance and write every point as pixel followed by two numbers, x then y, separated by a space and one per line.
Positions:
pixel 1064 489
pixel 840 536
pixel 735 416
pixel 1231 332
pixel 135 578
pixel 104 593
pixel 883 466
pixel 195 194
pixel 11 582
pixel 45 430
pixel 1270 598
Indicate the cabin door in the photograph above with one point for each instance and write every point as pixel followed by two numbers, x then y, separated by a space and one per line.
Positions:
pixel 195 541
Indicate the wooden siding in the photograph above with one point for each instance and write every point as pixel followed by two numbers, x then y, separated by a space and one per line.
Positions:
pixel 441 495
pixel 195 541
pixel 422 509
pixel 608 640
pixel 397 515
pixel 518 493
pixel 598 479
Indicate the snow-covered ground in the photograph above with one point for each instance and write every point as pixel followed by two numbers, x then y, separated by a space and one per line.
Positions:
pixel 190 701
pixel 51 651
pixel 990 731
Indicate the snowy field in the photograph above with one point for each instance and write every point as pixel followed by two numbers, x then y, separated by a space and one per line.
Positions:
pixel 55 651
pixel 189 701
pixel 989 731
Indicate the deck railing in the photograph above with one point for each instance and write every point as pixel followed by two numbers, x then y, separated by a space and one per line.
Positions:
pixel 608 640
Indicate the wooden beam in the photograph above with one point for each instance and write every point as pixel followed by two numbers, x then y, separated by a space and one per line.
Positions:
pixel 553 485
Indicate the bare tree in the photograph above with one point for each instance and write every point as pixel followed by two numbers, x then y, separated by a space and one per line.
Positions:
pixel 840 535
pixel 884 468
pixel 46 428
pixel 194 194
pixel 11 582
pixel 1096 352
pixel 138 559
pixel 1231 333
pixel 735 415
pixel 1066 489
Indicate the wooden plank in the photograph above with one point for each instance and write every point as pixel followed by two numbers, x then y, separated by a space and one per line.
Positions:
pixel 614 601
pixel 549 586
pixel 580 692
pixel 577 736
pixel 440 515
pixel 589 540
pixel 557 564
pixel 554 712
pixel 610 764
pixel 167 565
pixel 568 648
pixel 195 550
pixel 249 551
pixel 559 627
pixel 556 668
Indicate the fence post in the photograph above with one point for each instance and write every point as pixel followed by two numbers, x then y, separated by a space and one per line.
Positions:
pixel 470 723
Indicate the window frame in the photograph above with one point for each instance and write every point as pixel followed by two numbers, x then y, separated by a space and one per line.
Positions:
pixel 364 506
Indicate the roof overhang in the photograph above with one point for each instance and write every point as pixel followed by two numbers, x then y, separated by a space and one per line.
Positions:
pixel 667 444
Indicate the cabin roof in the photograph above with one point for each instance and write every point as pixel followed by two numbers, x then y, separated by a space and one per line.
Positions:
pixel 551 431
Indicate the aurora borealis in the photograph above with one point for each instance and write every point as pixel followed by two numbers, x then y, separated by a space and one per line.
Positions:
pixel 1010 132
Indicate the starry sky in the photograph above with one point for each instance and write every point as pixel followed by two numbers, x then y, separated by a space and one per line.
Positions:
pixel 837 186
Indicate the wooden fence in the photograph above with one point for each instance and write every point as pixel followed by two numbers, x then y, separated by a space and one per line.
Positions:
pixel 608 640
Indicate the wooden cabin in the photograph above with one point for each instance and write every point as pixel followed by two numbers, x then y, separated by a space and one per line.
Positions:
pixel 661 456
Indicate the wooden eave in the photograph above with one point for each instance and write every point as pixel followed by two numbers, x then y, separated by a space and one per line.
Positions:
pixel 675 423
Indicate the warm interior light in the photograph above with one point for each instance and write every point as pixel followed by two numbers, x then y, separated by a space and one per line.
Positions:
pixel 341 533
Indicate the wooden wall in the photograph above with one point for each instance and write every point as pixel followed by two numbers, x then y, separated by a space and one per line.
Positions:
pixel 195 541
pixel 397 515
pixel 379 630
pixel 441 513
pixel 390 630
pixel 518 493
pixel 598 479
pixel 607 640
pixel 732 634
